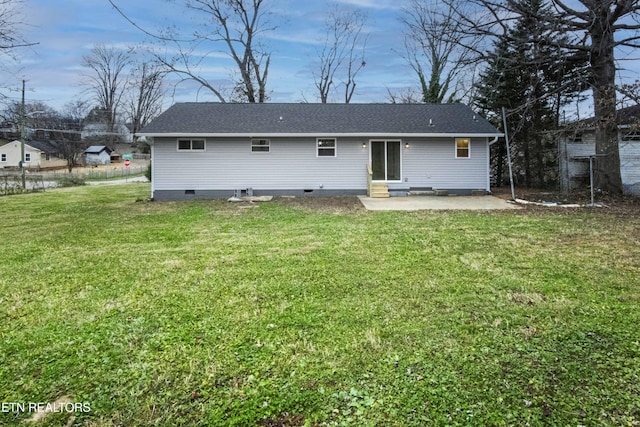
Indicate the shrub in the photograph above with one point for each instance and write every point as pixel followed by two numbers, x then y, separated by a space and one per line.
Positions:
pixel 148 172
pixel 71 181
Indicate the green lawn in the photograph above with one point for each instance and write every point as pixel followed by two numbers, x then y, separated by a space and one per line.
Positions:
pixel 208 313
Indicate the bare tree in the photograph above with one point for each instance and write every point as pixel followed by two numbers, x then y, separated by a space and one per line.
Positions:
pixel 73 116
pixel 343 51
pixel 238 24
pixel 74 113
pixel 10 23
pixel 145 96
pixel 235 24
pixel 34 115
pixel 404 96
pixel 599 27
pixel 432 39
pixel 107 80
pixel 72 151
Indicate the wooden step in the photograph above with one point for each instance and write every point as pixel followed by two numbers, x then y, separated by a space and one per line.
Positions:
pixel 379 190
pixel 380 195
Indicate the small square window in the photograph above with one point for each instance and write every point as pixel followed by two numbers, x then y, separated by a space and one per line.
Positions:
pixel 191 145
pixel 197 144
pixel 27 157
pixel 3 157
pixel 462 148
pixel 260 145
pixel 326 147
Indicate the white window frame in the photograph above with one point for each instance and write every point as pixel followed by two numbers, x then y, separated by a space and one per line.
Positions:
pixel 3 157
pixel 334 148
pixel 27 157
pixel 386 148
pixel 455 148
pixel 256 147
pixel 191 141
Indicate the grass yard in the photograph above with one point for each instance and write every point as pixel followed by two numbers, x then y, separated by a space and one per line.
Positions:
pixel 211 313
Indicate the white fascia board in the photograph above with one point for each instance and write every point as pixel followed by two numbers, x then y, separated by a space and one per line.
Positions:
pixel 320 135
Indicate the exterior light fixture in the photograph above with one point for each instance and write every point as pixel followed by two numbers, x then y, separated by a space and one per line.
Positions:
pixel 407 145
pixel 364 145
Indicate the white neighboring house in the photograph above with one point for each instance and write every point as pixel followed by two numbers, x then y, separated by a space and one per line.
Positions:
pixel 98 155
pixel 37 154
pixel 578 142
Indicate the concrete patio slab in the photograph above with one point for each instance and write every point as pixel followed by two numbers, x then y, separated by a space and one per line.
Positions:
pixel 416 203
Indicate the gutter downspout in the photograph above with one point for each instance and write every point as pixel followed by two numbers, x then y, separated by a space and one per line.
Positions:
pixel 150 141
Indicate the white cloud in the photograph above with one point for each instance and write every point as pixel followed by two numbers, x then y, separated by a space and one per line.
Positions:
pixel 372 4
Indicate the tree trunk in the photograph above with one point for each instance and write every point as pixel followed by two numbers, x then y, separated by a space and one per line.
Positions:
pixel 527 159
pixel 538 146
pixel 540 169
pixel 607 168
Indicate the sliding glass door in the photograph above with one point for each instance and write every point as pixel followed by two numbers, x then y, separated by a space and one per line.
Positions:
pixel 385 160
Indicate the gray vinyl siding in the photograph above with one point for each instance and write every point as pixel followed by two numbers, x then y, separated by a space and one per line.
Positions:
pixel 432 163
pixel 230 164
pixel 292 164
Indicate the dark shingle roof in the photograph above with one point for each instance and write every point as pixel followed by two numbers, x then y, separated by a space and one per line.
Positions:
pixel 50 147
pixel 624 116
pixel 97 149
pixel 320 119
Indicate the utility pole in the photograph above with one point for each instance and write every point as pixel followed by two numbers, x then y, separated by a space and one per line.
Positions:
pixel 506 138
pixel 24 181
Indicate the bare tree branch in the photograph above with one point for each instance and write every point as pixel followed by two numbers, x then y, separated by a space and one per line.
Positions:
pixel 432 37
pixel 11 22
pixel 230 26
pixel 146 93
pixel 343 51
pixel 106 80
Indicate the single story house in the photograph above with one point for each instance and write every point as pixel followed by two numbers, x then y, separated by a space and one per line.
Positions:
pixel 577 142
pixel 37 155
pixel 98 155
pixel 217 150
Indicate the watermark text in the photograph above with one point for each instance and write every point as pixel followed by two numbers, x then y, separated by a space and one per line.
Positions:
pixel 55 407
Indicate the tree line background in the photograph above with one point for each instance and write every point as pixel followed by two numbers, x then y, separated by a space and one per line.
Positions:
pixel 534 58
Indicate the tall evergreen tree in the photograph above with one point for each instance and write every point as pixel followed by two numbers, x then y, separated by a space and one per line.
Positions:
pixel 532 78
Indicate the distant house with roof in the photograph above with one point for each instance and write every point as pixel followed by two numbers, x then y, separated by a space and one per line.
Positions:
pixel 37 155
pixel 98 155
pixel 216 150
pixel 578 141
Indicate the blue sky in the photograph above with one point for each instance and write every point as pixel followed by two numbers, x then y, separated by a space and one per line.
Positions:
pixel 67 29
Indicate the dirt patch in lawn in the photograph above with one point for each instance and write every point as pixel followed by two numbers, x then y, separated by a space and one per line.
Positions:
pixel 621 205
pixel 333 205
pixel 617 205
